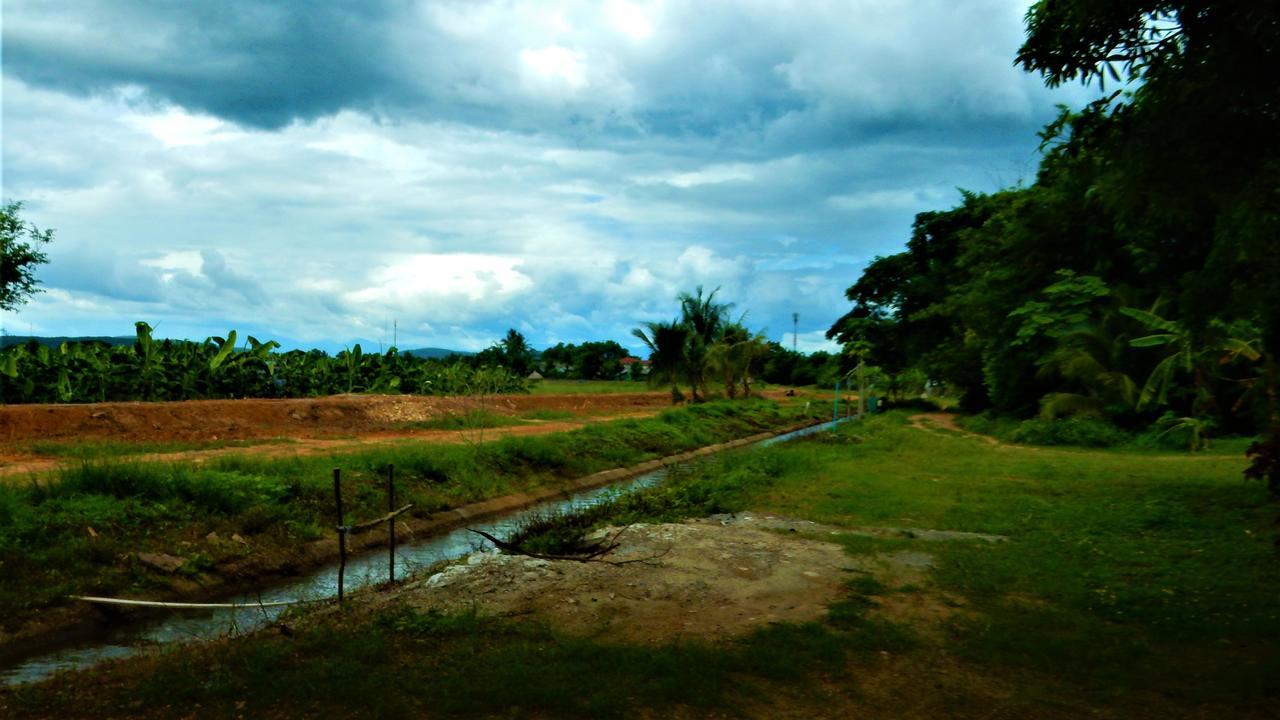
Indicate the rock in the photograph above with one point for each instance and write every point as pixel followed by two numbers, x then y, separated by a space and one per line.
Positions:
pixel 235 537
pixel 212 537
pixel 160 561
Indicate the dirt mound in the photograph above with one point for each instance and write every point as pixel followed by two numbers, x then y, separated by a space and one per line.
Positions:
pixel 308 417
pixel 700 578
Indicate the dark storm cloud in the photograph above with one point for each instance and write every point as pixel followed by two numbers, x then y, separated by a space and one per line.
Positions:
pixel 258 63
pixel 763 76
pixel 313 170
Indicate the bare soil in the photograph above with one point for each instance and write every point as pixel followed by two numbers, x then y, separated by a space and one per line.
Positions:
pixel 313 425
pixel 677 580
pixel 710 578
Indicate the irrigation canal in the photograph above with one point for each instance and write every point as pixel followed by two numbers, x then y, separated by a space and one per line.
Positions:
pixel 320 585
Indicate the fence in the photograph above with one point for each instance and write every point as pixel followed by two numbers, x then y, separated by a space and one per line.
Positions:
pixel 344 530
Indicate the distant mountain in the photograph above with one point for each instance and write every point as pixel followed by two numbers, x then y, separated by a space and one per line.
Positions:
pixel 11 340
pixel 431 352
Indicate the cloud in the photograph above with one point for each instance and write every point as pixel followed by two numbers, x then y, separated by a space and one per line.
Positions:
pixel 320 171
pixel 669 69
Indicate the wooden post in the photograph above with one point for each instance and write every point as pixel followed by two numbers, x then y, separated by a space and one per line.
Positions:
pixel 835 407
pixel 391 507
pixel 342 531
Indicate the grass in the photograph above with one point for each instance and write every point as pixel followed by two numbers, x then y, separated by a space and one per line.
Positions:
pixel 1128 572
pixel 547 414
pixel 472 420
pixel 1084 431
pixel 99 449
pixel 77 533
pixel 593 387
pixel 354 666
pixel 1133 584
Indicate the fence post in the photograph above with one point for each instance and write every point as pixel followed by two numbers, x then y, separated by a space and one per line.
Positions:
pixel 391 507
pixel 835 407
pixel 342 530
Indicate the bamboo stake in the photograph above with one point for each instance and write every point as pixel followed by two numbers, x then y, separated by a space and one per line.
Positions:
pixel 391 504
pixel 342 531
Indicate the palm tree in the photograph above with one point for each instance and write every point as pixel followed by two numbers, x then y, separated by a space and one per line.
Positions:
pixel 1089 357
pixel 517 353
pixel 735 355
pixel 705 319
pixel 666 342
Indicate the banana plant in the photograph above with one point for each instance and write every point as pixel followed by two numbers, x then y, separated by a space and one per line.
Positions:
pixel 1184 355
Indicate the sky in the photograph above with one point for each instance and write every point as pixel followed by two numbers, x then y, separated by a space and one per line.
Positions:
pixel 438 172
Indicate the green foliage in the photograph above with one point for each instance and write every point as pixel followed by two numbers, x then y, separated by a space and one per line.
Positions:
pixel 587 361
pixel 20 254
pixel 181 370
pixel 1081 431
pixel 1075 430
pixel 705 343
pixel 512 353
pixel 1136 274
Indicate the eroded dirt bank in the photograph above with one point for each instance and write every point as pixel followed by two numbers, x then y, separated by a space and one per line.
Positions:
pixel 298 426
pixel 295 418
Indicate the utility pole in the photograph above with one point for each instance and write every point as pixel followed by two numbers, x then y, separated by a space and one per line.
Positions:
pixel 795 330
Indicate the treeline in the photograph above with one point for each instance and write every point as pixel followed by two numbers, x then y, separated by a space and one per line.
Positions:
pixel 1137 280
pixel 586 361
pixel 153 369
pixel 603 360
pixel 704 347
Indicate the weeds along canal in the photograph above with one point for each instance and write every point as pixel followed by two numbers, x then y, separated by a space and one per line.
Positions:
pixel 129 636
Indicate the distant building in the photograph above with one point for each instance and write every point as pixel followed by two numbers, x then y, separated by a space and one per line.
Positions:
pixel 633 368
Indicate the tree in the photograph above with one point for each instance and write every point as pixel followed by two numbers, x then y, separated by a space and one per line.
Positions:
pixel 519 354
pixel 705 320
pixel 1191 163
pixel 20 254
pixel 735 356
pixel 666 342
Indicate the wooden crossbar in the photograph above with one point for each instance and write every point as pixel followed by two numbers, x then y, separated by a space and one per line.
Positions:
pixel 359 527
pixel 180 605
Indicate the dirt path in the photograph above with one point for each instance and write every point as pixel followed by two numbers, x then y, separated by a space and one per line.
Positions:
pixel 934 421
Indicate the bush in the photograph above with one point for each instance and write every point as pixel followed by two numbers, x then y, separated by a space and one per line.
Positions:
pixel 1078 430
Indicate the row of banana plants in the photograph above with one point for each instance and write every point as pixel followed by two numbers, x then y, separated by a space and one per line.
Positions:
pixel 154 369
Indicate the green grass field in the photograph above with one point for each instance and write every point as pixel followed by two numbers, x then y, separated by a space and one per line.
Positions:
pixel 1132 584
pixel 592 387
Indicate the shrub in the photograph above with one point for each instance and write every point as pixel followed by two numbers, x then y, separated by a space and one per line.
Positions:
pixel 1077 430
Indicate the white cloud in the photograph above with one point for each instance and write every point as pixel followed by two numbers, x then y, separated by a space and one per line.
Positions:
pixel 554 65
pixel 563 166
pixel 426 277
